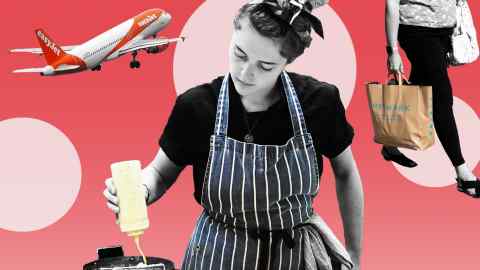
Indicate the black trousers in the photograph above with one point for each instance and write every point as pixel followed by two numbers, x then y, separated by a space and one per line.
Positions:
pixel 426 49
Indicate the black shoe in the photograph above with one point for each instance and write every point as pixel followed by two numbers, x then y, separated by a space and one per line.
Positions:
pixel 398 158
pixel 471 188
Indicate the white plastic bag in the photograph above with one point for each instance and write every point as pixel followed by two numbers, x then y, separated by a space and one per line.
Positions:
pixel 464 38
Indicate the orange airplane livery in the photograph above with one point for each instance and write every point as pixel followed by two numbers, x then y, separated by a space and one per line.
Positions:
pixel 129 37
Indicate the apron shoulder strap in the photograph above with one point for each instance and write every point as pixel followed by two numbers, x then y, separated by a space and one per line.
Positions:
pixel 296 113
pixel 221 118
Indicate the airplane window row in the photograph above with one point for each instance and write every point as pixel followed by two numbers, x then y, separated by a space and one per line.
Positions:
pixel 89 54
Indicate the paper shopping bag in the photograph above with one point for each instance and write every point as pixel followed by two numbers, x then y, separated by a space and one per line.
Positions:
pixel 402 115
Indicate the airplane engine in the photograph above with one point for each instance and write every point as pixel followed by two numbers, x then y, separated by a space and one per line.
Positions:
pixel 153 50
pixel 157 49
pixel 48 70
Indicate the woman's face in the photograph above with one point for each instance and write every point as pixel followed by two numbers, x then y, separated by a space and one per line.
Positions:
pixel 255 60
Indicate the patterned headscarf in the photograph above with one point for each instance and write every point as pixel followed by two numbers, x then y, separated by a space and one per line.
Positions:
pixel 288 15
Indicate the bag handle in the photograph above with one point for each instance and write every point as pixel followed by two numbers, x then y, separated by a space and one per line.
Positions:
pixel 398 76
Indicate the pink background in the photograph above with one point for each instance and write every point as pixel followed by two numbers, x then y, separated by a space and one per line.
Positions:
pixel 118 114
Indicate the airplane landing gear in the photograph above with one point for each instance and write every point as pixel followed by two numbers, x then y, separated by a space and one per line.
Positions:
pixel 134 63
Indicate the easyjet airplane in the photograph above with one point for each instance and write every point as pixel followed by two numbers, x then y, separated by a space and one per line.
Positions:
pixel 137 33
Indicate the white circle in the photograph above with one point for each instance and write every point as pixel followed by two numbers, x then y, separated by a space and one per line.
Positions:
pixel 40 174
pixel 204 54
pixel 434 168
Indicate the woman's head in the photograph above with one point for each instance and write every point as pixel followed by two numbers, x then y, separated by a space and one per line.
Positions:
pixel 262 45
pixel 293 39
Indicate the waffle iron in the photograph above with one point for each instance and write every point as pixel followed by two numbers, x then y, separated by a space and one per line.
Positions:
pixel 112 258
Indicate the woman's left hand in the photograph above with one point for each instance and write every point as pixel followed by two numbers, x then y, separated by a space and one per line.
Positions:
pixel 355 267
pixel 318 3
pixel 355 260
pixel 283 3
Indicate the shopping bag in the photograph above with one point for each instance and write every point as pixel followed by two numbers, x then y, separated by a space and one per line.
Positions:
pixel 402 115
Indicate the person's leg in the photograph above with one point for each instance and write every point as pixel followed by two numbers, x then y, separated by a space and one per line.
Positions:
pixel 429 67
pixel 436 75
pixel 427 55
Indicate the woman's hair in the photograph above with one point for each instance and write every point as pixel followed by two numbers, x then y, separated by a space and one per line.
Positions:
pixel 293 39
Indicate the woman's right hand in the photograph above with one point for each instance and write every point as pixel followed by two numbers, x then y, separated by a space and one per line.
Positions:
pixel 160 171
pixel 394 63
pixel 110 194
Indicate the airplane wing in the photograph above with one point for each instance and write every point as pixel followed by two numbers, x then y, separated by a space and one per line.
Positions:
pixel 29 70
pixel 39 50
pixel 43 69
pixel 148 43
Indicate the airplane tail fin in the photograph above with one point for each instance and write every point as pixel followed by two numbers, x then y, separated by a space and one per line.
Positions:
pixel 51 50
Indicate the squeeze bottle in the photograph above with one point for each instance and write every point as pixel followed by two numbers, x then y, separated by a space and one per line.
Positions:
pixel 133 216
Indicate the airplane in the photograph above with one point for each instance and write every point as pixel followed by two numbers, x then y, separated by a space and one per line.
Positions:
pixel 131 36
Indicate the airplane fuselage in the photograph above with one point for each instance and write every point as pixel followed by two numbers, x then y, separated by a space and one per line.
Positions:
pixel 107 45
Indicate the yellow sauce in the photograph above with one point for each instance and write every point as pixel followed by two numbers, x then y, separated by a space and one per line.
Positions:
pixel 136 239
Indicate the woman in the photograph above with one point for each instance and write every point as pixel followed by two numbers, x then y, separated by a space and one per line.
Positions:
pixel 423 30
pixel 256 177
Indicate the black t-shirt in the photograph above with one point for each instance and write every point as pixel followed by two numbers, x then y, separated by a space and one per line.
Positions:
pixel 186 137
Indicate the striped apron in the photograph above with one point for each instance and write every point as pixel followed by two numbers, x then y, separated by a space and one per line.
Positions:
pixel 257 202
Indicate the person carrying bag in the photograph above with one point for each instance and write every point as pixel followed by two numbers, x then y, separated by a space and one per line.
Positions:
pixel 424 30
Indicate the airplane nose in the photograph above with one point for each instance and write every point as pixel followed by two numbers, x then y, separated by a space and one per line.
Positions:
pixel 166 17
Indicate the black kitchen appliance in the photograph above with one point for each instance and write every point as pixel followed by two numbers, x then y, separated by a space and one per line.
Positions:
pixel 112 258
